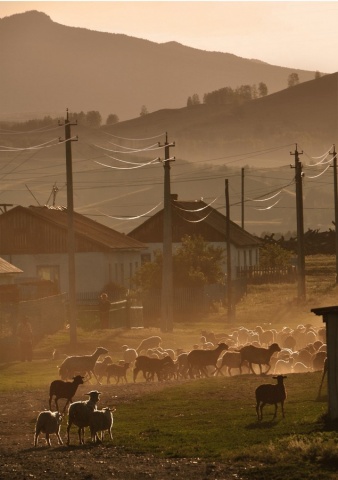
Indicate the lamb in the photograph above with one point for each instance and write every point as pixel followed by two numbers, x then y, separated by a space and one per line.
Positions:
pixel 118 372
pixel 100 368
pixel 79 414
pixel 62 389
pixel 150 366
pixel 101 421
pixel 48 422
pixel 258 355
pixel 271 394
pixel 150 342
pixel 201 359
pixel 82 364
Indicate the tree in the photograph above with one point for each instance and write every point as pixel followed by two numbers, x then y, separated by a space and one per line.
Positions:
pixel 262 89
pixel 111 119
pixel 93 118
pixel 293 79
pixel 189 102
pixel 273 256
pixel 144 111
pixel 317 74
pixel 195 263
pixel 195 99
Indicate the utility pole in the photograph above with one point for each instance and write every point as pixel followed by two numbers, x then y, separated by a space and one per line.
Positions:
pixel 243 197
pixel 231 308
pixel 300 225
pixel 71 233
pixel 335 203
pixel 167 294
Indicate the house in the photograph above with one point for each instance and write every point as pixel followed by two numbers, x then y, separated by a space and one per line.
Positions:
pixel 195 217
pixel 35 239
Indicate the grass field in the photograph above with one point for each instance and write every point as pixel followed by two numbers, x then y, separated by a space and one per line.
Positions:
pixel 215 419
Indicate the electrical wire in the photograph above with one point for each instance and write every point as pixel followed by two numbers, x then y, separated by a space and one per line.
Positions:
pixel 128 168
pixel 131 218
pixel 134 139
pixel 197 209
pixel 321 173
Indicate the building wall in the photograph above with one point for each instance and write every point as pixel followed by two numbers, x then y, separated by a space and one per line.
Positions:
pixel 93 270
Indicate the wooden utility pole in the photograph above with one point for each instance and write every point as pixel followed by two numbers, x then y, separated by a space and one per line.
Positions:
pixel 167 294
pixel 335 204
pixel 300 225
pixel 230 304
pixel 71 234
pixel 242 197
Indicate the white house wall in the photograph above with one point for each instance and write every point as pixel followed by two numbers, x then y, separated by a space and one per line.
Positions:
pixel 93 270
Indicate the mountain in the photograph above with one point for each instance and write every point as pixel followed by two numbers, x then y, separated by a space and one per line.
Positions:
pixel 47 67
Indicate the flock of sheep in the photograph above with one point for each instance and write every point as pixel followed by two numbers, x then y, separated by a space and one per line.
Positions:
pixel 255 351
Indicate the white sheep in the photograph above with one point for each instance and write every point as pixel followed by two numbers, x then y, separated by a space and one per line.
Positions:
pixel 150 342
pixel 283 366
pixel 101 421
pixel 272 395
pixel 81 364
pixel 129 355
pixel 48 422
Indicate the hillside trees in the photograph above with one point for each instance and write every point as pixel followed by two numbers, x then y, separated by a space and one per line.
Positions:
pixel 228 95
pixel 272 255
pixel 194 100
pixel 293 79
pixel 195 263
pixel 112 119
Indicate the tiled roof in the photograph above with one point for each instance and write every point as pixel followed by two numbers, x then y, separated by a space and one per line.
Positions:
pixel 6 267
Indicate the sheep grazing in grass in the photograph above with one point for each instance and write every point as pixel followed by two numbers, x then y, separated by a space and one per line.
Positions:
pixel 79 414
pixel 150 342
pixel 81 364
pixel 101 421
pixel 258 355
pixel 62 389
pixel 48 422
pixel 200 359
pixel 119 372
pixel 151 366
pixel 271 394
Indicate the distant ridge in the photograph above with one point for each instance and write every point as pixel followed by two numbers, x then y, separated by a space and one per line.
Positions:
pixel 47 67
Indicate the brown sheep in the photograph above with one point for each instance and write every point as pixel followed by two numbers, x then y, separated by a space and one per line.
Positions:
pixel 150 366
pixel 272 395
pixel 258 355
pixel 61 389
pixel 200 359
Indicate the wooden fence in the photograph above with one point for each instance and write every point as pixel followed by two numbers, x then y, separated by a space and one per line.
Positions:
pixel 257 275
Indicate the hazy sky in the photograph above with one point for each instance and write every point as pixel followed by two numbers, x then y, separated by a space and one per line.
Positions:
pixel 296 34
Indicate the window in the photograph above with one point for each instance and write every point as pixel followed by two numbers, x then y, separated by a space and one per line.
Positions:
pixel 49 272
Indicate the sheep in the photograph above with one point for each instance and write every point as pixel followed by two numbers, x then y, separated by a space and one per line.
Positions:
pixel 62 389
pixel 201 359
pixel 129 355
pixel 230 360
pixel 271 394
pixel 283 366
pixel 258 355
pixel 101 421
pixel 48 422
pixel 83 364
pixel 150 366
pixel 318 360
pixel 150 342
pixel 117 371
pixel 79 414
pixel 299 367
pixel 101 367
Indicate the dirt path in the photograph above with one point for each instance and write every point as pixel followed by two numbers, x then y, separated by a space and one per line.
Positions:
pixel 19 460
